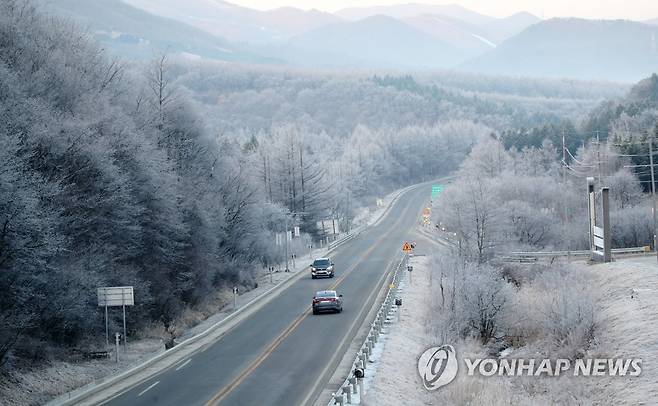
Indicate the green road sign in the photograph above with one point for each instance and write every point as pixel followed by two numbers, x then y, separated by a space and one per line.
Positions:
pixel 436 189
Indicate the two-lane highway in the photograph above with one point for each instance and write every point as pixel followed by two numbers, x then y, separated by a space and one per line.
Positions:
pixel 281 353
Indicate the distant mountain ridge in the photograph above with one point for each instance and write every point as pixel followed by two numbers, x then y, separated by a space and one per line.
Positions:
pixel 237 23
pixel 470 32
pixel 136 33
pixel 586 49
pixel 401 11
pixel 407 36
pixel 374 42
pixel 471 40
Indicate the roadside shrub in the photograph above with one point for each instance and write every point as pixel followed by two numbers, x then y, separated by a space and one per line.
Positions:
pixel 470 299
pixel 557 311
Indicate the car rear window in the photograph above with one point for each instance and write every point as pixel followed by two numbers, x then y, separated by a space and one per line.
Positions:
pixel 325 294
pixel 321 262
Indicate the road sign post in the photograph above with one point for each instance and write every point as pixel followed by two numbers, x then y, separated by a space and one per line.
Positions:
pixel 107 330
pixel 436 190
pixel 114 297
pixel 117 341
pixel 426 216
pixel 125 340
pixel 600 237
pixel 407 249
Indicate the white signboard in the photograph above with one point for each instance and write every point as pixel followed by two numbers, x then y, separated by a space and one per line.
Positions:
pixel 297 232
pixel 116 296
pixel 598 231
pixel 597 237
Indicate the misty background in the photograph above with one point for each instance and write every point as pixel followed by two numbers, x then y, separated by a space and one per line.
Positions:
pixel 163 146
pixel 401 37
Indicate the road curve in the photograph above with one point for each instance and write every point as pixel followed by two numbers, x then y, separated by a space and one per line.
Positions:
pixel 279 354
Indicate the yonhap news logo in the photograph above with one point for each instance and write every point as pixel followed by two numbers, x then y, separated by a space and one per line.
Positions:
pixel 438 366
pixel 556 367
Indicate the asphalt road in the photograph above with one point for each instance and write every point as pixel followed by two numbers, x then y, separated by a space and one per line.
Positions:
pixel 281 354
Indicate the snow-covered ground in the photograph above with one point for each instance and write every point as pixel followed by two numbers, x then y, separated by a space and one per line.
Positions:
pixel 393 379
pixel 627 328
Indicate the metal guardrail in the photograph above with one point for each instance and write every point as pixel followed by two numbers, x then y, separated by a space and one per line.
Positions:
pixel 349 236
pixel 428 232
pixel 533 256
pixel 353 384
pixel 543 254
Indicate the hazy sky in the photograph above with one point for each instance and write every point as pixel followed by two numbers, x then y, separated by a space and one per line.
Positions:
pixel 629 9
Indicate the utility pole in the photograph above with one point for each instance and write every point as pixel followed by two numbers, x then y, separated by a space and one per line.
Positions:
pixel 564 200
pixel 653 193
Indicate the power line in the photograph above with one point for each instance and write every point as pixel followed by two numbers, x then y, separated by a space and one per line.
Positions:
pixel 573 157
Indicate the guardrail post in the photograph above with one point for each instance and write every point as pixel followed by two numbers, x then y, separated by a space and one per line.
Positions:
pixel 348 393
pixel 352 382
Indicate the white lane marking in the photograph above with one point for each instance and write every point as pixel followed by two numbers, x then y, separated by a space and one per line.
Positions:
pixel 183 364
pixel 147 389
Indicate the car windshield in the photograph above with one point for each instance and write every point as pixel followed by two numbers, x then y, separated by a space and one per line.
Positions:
pixel 325 294
pixel 321 262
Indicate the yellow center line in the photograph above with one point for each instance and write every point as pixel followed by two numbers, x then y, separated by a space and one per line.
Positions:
pixel 222 393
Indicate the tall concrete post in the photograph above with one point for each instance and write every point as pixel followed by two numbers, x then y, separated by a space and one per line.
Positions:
pixel 653 194
pixel 607 235
pixel 591 206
